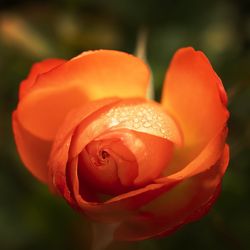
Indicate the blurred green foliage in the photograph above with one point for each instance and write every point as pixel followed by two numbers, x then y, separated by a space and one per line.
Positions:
pixel 30 217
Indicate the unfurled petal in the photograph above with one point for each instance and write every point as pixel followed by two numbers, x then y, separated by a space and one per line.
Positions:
pixel 90 76
pixel 194 95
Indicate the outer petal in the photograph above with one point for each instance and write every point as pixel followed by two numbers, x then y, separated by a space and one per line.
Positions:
pixel 90 76
pixel 194 95
pixel 36 70
pixel 34 152
pixel 188 201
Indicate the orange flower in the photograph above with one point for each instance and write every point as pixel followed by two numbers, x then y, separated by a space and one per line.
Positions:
pixel 86 129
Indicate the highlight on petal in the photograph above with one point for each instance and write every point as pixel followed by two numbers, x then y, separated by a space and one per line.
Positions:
pixel 194 95
pixel 41 112
pixel 135 114
pixel 90 76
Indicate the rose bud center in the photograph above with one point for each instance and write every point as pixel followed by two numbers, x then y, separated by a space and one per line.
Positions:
pixel 131 146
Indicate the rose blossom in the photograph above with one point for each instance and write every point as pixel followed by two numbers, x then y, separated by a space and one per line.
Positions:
pixel 85 128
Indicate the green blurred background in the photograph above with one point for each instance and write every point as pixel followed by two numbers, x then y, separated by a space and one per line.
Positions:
pixel 32 218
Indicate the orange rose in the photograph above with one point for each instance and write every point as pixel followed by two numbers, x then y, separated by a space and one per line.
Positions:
pixel 85 128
